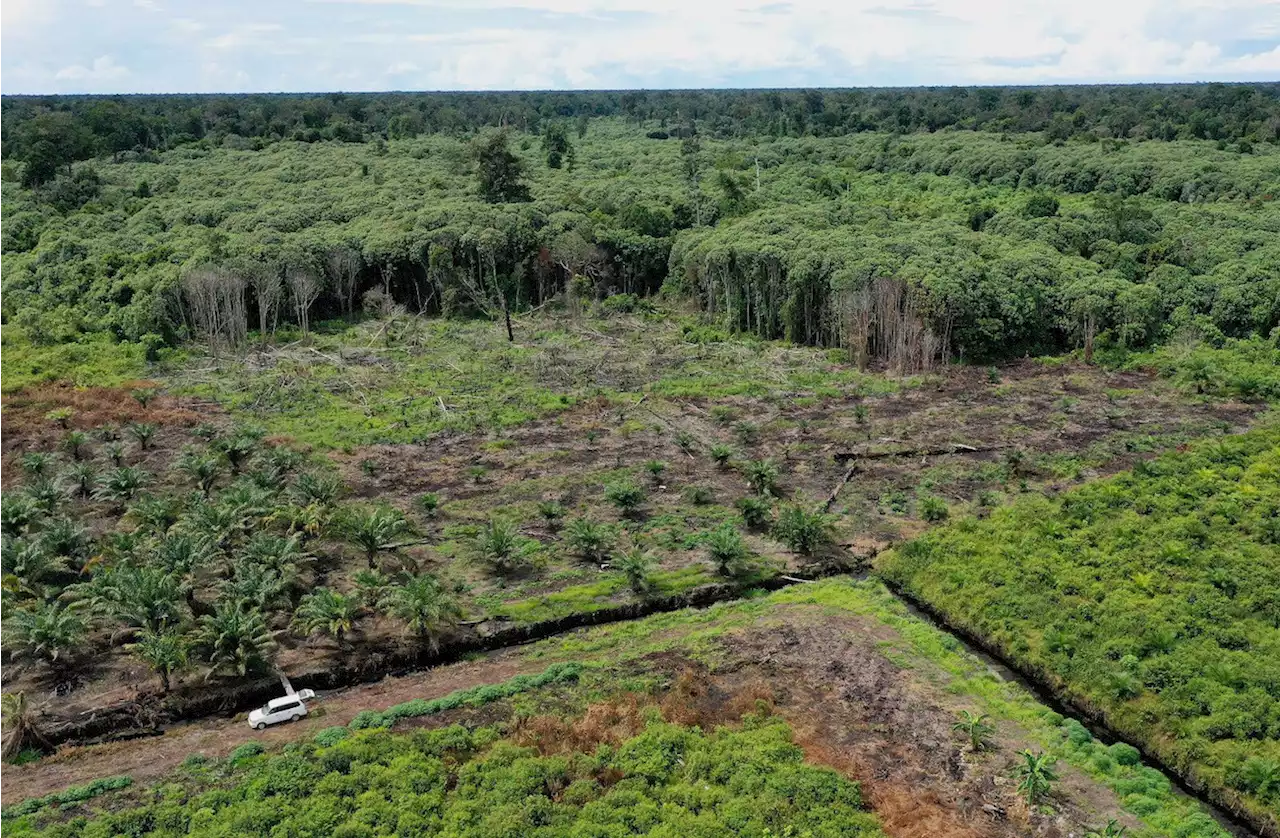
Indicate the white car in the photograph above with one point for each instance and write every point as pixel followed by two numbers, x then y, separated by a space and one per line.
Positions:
pixel 289 708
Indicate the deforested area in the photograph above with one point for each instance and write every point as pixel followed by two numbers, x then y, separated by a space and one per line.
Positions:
pixel 764 463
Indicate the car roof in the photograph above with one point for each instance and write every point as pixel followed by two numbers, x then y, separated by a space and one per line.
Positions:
pixel 288 699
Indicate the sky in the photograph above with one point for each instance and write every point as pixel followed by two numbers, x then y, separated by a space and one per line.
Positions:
pixel 164 46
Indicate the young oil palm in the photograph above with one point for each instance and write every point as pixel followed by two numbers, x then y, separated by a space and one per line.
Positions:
pixel 234 639
pixel 427 609
pixel 373 529
pixel 327 612
pixel 164 653
pixel 47 632
pixel 636 565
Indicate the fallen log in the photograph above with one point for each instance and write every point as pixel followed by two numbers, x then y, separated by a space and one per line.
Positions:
pixel 949 448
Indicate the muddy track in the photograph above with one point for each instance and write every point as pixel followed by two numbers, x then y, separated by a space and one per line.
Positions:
pixel 1224 807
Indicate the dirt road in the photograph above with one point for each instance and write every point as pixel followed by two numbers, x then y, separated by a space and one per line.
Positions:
pixel 150 758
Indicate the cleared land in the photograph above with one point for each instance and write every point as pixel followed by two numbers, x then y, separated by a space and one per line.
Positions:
pixel 634 402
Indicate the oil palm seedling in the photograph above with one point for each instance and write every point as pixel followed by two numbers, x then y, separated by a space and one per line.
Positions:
pixel 65 537
pixel 636 565
pixel 121 484
pixel 61 416
pixel 721 454
pixel 82 477
pixel 552 512
pixel 371 586
pixel 625 495
pixel 1035 776
pixel 756 512
pixel 590 539
pixel 47 493
pixel 37 463
pixel 727 551
pixel 18 510
pixel 74 443
pixel 114 451
pixel 202 468
pixel 655 468
pixel 499 546
pixel 762 476
pixel 143 433
pixel 803 532
pixel 155 513
pixel 977 728
pixel 311 488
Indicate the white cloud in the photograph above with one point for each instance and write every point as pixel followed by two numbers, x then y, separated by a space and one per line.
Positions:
pixel 20 14
pixel 104 68
pixel 627 43
pixel 245 35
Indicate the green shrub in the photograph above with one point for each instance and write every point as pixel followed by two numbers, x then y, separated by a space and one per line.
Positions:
pixel 331 736
pixel 735 780
pixel 245 751
pixel 625 495
pixel 1124 753
pixel 933 508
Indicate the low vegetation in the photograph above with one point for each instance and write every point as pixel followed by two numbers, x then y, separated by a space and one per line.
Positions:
pixel 1153 596
pixel 749 780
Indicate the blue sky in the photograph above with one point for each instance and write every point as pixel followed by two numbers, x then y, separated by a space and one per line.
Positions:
pixel 146 46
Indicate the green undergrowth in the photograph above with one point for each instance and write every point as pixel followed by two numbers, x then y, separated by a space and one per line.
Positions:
pixel 583 599
pixel 67 797
pixel 96 361
pixel 407 380
pixel 1153 595
pixel 559 673
pixel 664 782
pixel 1247 369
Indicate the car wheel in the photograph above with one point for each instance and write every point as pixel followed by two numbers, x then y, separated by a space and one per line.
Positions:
pixel 294 717
pixel 260 726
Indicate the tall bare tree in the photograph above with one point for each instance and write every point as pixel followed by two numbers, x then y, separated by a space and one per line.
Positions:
pixel 344 265
pixel 268 291
pixel 304 289
pixel 214 305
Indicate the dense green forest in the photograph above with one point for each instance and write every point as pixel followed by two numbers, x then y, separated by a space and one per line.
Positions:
pixel 899 242
pixel 1152 596
pixel 49 130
